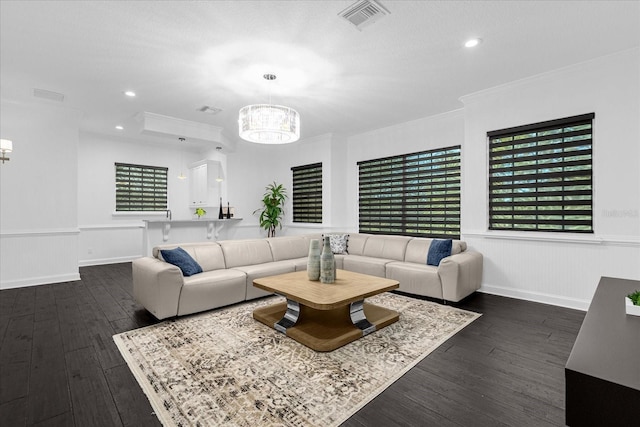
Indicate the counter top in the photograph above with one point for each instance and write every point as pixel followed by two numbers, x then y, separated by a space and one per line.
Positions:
pixel 188 221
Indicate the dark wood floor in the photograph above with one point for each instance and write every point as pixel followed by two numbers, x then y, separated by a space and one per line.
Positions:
pixel 59 365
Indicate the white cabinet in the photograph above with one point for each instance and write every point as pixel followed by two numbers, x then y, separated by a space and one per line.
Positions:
pixel 204 189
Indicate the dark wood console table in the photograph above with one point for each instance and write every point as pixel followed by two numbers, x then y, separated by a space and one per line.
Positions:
pixel 603 371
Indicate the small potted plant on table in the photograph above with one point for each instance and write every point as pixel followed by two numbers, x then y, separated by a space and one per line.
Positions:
pixel 632 303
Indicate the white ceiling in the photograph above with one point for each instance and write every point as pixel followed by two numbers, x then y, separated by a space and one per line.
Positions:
pixel 181 55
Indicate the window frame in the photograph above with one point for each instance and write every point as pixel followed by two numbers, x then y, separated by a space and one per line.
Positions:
pixel 309 199
pixel 439 177
pixel 153 201
pixel 569 154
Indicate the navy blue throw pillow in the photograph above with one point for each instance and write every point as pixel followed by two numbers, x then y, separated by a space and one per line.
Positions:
pixel 182 259
pixel 438 249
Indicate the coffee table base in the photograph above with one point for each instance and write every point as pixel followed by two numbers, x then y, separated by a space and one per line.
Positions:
pixel 327 330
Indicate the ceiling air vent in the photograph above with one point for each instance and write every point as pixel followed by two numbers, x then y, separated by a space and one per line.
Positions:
pixel 209 110
pixel 364 12
pixel 47 94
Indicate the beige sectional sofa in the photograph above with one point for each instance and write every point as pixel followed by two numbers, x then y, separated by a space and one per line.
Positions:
pixel 230 266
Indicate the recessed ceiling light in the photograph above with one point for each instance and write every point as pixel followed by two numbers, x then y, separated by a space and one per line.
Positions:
pixel 130 93
pixel 472 42
pixel 119 127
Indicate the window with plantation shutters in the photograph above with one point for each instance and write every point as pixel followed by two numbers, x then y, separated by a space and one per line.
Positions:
pixel 140 188
pixel 540 176
pixel 307 193
pixel 414 194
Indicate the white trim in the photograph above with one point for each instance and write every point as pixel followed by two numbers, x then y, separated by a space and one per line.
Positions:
pixel 43 232
pixel 140 213
pixel 568 302
pixel 471 97
pixel 305 225
pixel 552 237
pixel 111 226
pixel 105 261
pixel 44 280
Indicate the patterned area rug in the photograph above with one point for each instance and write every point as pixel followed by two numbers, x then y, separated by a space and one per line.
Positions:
pixel 223 368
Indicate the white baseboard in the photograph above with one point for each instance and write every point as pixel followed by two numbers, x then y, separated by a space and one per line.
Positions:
pixel 45 280
pixel 104 261
pixel 560 301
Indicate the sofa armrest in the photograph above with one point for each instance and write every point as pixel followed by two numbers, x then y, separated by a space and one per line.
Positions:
pixel 460 275
pixel 157 286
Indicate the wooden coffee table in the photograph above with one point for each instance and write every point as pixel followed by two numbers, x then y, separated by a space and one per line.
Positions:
pixel 325 316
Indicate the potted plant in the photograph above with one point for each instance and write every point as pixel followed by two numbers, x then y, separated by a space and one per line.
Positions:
pixel 272 208
pixel 632 303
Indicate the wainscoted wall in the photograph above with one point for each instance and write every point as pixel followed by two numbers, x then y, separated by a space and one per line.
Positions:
pixel 561 268
pixel 109 243
pixel 39 192
pixel 36 257
pixel 552 271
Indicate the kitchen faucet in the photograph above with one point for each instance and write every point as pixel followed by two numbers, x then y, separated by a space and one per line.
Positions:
pixel 169 214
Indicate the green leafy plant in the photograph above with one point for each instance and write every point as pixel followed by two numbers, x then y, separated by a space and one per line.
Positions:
pixel 200 212
pixel 272 209
pixel 635 297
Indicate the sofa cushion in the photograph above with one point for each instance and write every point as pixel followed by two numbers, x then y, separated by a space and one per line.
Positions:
pixel 418 279
pixel 388 247
pixel 289 247
pixel 338 243
pixel 180 258
pixel 207 254
pixel 357 242
pixel 366 265
pixel 418 249
pixel 439 249
pixel 263 270
pixel 211 289
pixel 246 252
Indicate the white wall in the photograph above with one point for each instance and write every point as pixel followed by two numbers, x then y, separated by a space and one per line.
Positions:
pixel 66 206
pixel 107 237
pixel 38 194
pixel 548 267
pixel 254 166
pixel 551 268
pixel 443 130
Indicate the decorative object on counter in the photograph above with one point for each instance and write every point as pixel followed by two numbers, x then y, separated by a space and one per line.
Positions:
pixel 6 147
pixel 313 262
pixel 327 263
pixel 632 303
pixel 200 212
pixel 220 214
pixel 272 208
pixel 228 211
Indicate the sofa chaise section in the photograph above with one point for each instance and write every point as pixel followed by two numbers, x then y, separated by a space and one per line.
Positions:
pixel 457 276
pixel 162 289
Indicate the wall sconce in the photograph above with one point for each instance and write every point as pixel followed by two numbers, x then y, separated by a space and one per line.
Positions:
pixel 6 146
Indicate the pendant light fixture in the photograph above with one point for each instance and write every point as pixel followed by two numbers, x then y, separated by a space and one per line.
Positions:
pixel 181 176
pixel 267 123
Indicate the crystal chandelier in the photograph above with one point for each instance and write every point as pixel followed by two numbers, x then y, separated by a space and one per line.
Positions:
pixel 269 124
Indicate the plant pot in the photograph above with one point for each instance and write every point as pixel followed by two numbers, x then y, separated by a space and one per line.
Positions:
pixel 633 310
